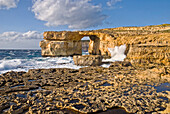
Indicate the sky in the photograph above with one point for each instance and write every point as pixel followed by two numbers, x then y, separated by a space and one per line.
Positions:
pixel 22 22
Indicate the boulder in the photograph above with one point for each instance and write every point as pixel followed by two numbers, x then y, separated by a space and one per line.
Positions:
pixel 88 60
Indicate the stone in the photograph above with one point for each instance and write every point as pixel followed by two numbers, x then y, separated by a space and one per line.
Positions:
pixel 120 64
pixel 88 60
pixel 131 85
pixel 147 53
pixel 149 44
pixel 87 90
pixel 167 110
pixel 60 48
pixel 62 36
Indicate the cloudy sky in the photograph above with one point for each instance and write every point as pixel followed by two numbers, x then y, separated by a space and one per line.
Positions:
pixel 22 22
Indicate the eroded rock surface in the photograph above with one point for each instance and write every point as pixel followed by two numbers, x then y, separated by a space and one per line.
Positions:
pixel 87 90
pixel 148 39
pixel 149 54
pixel 60 48
pixel 88 60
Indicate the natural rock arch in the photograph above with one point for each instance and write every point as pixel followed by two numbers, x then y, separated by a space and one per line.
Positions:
pixel 144 44
pixel 69 43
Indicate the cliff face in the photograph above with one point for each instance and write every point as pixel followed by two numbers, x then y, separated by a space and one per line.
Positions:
pixel 146 54
pixel 140 41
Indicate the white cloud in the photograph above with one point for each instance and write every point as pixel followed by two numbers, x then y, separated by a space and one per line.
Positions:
pixel 23 44
pixel 111 3
pixel 17 40
pixel 11 36
pixel 7 4
pixel 75 14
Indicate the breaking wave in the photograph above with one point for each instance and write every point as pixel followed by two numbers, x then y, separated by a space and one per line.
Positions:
pixel 117 53
pixel 23 60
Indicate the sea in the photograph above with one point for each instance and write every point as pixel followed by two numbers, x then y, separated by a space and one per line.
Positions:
pixel 25 59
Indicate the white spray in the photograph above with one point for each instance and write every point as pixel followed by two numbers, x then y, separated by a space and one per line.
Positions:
pixel 117 53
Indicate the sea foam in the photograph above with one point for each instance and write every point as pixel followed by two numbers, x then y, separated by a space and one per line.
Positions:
pixel 36 63
pixel 9 64
pixel 117 53
pixel 22 61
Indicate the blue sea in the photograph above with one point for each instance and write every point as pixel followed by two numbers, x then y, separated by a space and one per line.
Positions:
pixel 23 60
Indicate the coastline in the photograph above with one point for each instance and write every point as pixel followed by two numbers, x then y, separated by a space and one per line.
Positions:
pixel 87 90
pixel 139 84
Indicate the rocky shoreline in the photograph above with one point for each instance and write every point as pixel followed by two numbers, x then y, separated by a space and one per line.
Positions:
pixel 136 89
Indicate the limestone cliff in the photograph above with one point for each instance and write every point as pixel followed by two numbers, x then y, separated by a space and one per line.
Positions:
pixel 153 41
pixel 148 53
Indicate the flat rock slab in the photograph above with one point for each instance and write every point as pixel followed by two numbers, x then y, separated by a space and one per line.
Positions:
pixel 87 90
pixel 88 60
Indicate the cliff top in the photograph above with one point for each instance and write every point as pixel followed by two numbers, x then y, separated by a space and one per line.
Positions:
pixel 152 34
pixel 163 28
pixel 151 29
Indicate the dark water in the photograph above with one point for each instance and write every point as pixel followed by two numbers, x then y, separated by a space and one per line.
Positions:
pixel 19 54
pixel 23 60
pixel 163 87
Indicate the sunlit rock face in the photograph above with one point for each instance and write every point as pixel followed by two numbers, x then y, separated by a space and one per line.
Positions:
pixel 150 42
pixel 69 43
pixel 88 60
pixel 61 44
pixel 145 54
pixel 60 48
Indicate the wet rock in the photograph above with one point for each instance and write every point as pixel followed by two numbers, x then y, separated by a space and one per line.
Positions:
pixel 87 90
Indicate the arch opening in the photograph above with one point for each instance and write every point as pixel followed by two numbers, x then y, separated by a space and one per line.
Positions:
pixel 85 45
